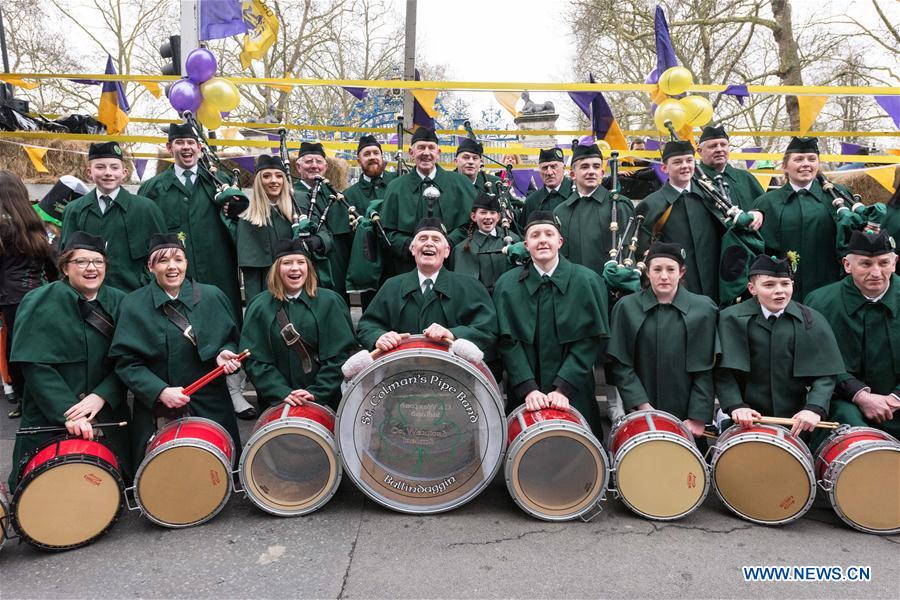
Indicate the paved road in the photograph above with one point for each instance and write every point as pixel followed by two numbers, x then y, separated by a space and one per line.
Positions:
pixel 353 548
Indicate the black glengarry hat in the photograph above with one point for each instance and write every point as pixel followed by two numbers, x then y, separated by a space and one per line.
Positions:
pixel 160 241
pixel 870 244
pixel 713 132
pixel 430 224
pixel 803 145
pixel 677 148
pixel 365 141
pixel 289 247
pixel 470 145
pixel 51 206
pixel 772 266
pixel 178 131
pixel 541 217
pixel 551 155
pixel 664 250
pixel 424 134
pixel 586 151
pixel 105 150
pixel 268 161
pixel 81 240
pixel 312 148
pixel 487 202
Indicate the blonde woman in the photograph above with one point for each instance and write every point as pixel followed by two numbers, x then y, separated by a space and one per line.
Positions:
pixel 267 221
pixel 298 334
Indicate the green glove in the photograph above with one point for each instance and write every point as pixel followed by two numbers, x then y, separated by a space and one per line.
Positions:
pixel 874 213
pixel 621 278
pixel 516 253
pixel 303 227
pixel 850 220
pixel 743 220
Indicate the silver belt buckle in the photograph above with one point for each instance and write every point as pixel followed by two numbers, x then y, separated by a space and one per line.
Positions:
pixel 289 334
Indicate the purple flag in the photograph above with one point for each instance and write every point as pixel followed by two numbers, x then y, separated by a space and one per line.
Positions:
pixel 420 117
pixel 357 92
pixel 652 145
pixel 114 86
pixel 221 19
pixel 583 100
pixel 740 92
pixel 522 178
pixel 754 150
pixel 848 148
pixel 891 105
pixel 602 118
pixel 274 137
pixel 665 53
pixel 140 165
pixel 248 163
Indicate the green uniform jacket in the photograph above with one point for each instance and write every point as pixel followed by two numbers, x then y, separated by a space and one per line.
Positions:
pixel 62 358
pixel 891 221
pixel 404 207
pixel 805 225
pixel 256 249
pixel 743 187
pixel 584 223
pixel 869 334
pixel 777 370
pixel 481 178
pixel 126 228
pixel 336 233
pixel 361 193
pixel 544 200
pixel 208 241
pixel 552 334
pixel 664 353
pixel 459 303
pixel 359 275
pixel 487 268
pixel 697 225
pixel 275 369
pixel 152 354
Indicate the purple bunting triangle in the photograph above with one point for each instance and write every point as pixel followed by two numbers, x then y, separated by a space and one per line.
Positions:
pixel 652 145
pixel 140 165
pixel 753 150
pixel 583 100
pixel 850 148
pixel 522 179
pixel 740 92
pixel 248 163
pixel 357 92
pixel 891 105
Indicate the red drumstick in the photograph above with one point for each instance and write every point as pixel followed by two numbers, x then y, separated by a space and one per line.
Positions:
pixel 194 387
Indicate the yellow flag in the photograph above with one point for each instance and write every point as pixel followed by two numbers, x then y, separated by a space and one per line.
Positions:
pixel 894 151
pixel 810 107
pixel 426 99
pixel 19 82
pixel 284 88
pixel 508 100
pixel 763 179
pixel 37 157
pixel 152 87
pixel 262 31
pixel 884 176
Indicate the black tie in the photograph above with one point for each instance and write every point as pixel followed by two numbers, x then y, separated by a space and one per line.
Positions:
pixel 105 203
pixel 427 286
pixel 188 184
pixel 772 319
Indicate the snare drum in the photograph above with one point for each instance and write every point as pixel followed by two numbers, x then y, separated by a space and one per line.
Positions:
pixel 763 474
pixel 70 493
pixel 555 468
pixel 859 467
pixel 185 477
pixel 290 465
pixel 420 430
pixel 659 472
pixel 4 515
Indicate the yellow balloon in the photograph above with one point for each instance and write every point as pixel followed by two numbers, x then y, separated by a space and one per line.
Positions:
pixel 675 80
pixel 221 93
pixel 604 146
pixel 669 110
pixel 698 110
pixel 209 115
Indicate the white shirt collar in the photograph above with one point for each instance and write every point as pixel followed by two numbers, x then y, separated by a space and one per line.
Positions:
pixel 879 296
pixel 366 177
pixel 112 195
pixel 493 232
pixel 429 175
pixel 798 188
pixel 678 189
pixel 768 313
pixel 294 297
pixel 423 277
pixel 171 297
pixel 179 173
pixel 553 189
pixel 550 271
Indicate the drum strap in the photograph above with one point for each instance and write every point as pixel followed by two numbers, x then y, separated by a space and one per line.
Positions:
pixel 807 317
pixel 293 339
pixel 96 318
pixel 179 320
pixel 660 223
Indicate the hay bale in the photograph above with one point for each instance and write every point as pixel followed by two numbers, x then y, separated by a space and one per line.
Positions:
pixel 859 182
pixel 63 158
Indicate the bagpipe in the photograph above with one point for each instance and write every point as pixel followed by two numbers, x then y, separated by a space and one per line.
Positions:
pixel 228 193
pixel 402 167
pixel 510 206
pixel 621 274
pixel 850 213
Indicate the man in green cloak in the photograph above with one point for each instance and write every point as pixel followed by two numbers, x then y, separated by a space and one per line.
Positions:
pixel 469 163
pixel 481 255
pixel 743 188
pixel 557 187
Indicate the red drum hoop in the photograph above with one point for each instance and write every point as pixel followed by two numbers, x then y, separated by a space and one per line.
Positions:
pixel 4 515
pixel 763 474
pixel 290 465
pixel 659 472
pixel 185 477
pixel 421 430
pixel 70 492
pixel 859 467
pixel 556 469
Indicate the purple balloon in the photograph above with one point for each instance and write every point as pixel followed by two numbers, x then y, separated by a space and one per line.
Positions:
pixel 185 95
pixel 200 65
pixel 586 140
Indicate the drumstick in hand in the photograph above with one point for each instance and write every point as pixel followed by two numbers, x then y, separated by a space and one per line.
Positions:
pixel 786 421
pixel 194 387
pixel 62 428
pixel 362 359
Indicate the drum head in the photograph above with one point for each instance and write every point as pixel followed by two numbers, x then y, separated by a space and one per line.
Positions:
pixel 661 479
pixel 867 490
pixel 182 485
pixel 763 482
pixel 290 471
pixel 421 431
pixel 67 505
pixel 557 475
pixel 4 517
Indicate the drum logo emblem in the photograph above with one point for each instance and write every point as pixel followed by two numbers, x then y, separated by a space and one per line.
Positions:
pixel 787 502
pixel 691 481
pixel 92 479
pixel 214 477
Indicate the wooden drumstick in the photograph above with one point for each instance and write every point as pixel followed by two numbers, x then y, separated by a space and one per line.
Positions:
pixel 62 428
pixel 194 387
pixel 786 421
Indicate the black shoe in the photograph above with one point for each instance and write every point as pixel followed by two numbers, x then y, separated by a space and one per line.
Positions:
pixel 247 414
pixel 15 413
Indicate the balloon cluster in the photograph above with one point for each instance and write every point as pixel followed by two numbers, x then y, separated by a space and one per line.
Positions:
pixel 693 111
pixel 202 94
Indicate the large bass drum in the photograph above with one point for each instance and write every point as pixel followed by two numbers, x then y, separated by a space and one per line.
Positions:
pixel 420 430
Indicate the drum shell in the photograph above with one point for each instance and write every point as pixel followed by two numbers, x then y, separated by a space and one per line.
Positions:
pixel 402 490
pixel 67 451
pixel 193 432
pixel 311 418
pixel 640 427
pixel 839 451
pixel 778 437
pixel 525 428
pixel 4 515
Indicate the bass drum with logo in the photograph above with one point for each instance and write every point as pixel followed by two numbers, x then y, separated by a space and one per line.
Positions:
pixel 421 430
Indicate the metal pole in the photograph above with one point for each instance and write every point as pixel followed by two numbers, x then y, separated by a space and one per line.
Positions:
pixel 409 67
pixel 190 29
pixel 7 91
